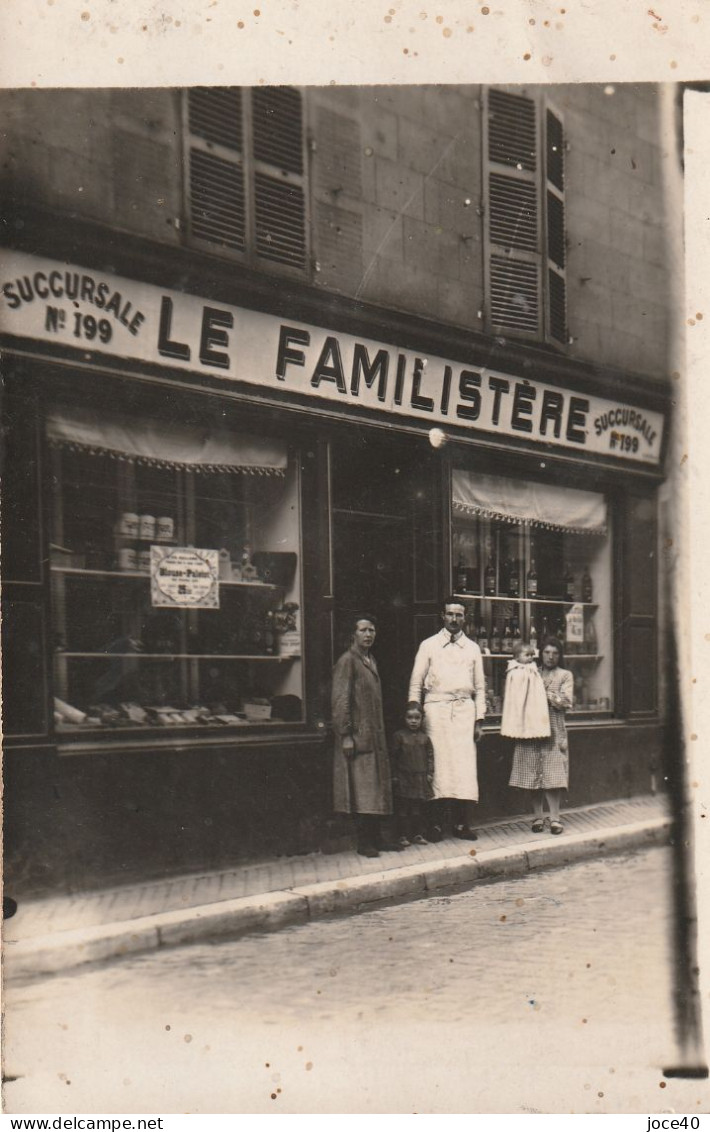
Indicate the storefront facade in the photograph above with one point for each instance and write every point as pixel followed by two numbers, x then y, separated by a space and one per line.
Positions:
pixel 203 483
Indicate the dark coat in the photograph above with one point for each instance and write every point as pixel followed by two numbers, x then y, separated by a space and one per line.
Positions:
pixel 362 782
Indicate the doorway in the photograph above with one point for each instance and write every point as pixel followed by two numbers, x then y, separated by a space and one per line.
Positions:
pixel 373 546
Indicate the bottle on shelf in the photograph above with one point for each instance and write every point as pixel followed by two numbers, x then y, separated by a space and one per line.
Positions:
pixel 590 637
pixel 532 580
pixel 545 629
pixel 489 577
pixel 496 643
pixel 482 637
pixel 507 638
pixel 569 584
pixel 461 576
pixel 514 578
pixel 583 693
pixel 533 636
pixel 269 635
pixel 517 635
pixel 587 586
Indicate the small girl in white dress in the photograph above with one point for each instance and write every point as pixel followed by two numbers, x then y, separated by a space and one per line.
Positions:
pixel 541 755
pixel 525 713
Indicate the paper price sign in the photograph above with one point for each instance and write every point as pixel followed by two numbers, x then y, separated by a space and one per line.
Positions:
pixel 575 625
pixel 184 578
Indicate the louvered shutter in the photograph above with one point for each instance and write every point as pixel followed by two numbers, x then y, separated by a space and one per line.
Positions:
pixel 246 191
pixel 556 235
pixel 279 197
pixel 216 190
pixel 513 214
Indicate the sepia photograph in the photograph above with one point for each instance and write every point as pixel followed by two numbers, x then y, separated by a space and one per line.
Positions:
pixel 345 666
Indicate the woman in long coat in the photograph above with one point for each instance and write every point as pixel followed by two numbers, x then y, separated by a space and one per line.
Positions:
pixel 361 771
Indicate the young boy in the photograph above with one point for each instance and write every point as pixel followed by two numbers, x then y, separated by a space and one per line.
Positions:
pixel 412 761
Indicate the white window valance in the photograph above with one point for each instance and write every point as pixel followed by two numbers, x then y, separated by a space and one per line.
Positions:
pixel 165 444
pixel 528 503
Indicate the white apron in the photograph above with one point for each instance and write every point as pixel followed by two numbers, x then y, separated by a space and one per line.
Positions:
pixel 449 720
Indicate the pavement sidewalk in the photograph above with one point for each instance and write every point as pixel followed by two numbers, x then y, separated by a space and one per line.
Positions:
pixel 59 933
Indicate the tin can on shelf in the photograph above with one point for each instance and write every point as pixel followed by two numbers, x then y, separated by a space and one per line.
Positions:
pixel 127 558
pixel 127 525
pixel 144 560
pixel 146 527
pixel 165 528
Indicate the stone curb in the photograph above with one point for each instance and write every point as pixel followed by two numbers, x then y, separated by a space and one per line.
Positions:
pixel 64 951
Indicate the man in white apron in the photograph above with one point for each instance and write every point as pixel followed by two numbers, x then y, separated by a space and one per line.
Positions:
pixel 448 679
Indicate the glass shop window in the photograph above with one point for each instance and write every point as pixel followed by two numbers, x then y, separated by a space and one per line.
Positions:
pixel 176 581
pixel 532 560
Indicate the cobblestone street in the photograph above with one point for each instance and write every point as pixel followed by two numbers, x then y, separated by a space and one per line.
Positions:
pixel 551 992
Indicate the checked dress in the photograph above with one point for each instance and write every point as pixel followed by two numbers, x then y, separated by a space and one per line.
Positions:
pixel 543 764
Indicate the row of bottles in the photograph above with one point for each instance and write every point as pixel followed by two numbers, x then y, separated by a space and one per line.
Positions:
pixel 497 642
pixel 502 641
pixel 509 581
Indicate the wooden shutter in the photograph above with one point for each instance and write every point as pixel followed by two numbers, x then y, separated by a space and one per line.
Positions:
pixel 525 211
pixel 246 172
pixel 639 621
pixel 279 199
pixel 555 228
pixel 26 700
pixel 216 190
pixel 513 214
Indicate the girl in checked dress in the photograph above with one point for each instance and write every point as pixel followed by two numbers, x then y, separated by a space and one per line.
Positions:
pixel 541 763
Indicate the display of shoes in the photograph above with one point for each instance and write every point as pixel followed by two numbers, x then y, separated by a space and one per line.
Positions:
pixel 556 827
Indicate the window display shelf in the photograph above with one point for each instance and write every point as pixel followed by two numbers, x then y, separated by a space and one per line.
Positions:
pixel 178 656
pixel 571 656
pixel 115 643
pixel 145 576
pixel 525 600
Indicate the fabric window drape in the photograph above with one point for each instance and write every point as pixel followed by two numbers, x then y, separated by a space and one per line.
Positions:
pixel 529 503
pixel 168 444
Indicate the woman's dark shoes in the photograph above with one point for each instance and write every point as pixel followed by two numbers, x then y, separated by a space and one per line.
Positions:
pixel 538 826
pixel 392 847
pixel 465 833
pixel 419 839
pixel 404 842
pixel 436 833
pixel 556 827
pixel 368 851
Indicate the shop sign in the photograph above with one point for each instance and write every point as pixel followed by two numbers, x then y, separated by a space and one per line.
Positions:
pixel 184 578
pixel 103 314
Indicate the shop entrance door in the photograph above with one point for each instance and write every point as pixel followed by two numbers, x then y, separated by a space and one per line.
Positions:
pixel 373 546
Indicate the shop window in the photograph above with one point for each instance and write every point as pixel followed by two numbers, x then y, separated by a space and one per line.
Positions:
pixel 175 565
pixel 525 217
pixel 533 560
pixel 245 173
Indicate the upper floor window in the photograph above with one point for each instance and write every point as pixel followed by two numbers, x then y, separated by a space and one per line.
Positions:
pixel 525 217
pixel 246 173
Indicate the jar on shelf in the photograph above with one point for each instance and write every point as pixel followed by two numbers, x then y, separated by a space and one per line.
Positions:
pixel 146 528
pixel 127 558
